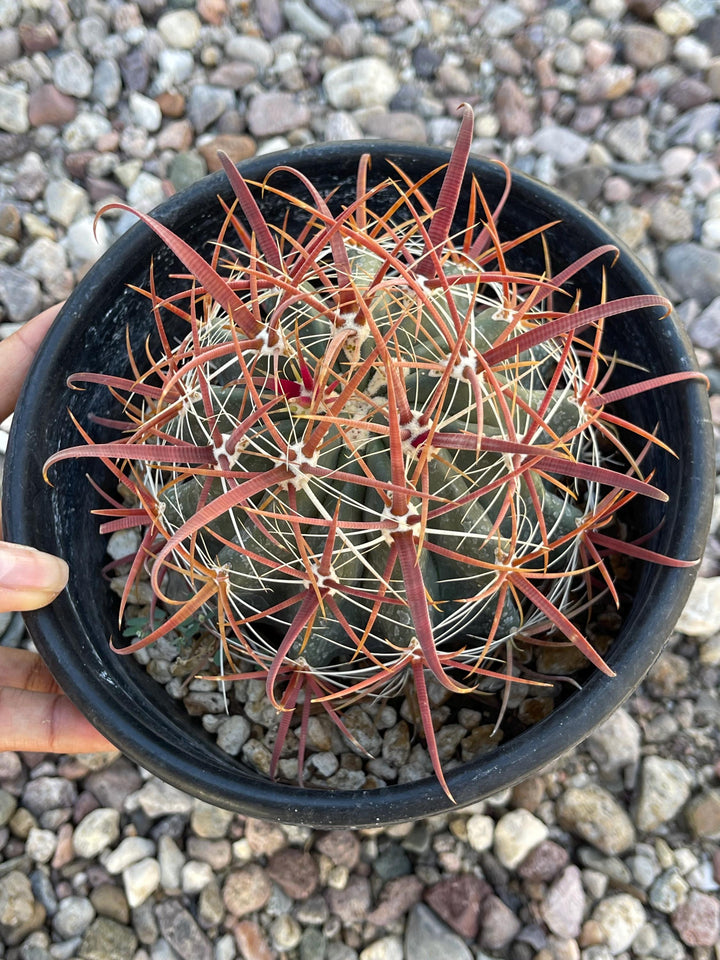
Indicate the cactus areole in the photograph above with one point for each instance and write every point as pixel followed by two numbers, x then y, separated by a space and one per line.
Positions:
pixel 383 431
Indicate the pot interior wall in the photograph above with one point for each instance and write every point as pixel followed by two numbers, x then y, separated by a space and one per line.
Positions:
pixel 90 335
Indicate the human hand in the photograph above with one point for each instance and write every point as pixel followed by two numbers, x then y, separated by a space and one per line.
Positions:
pixel 34 712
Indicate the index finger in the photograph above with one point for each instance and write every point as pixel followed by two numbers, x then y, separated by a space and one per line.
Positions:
pixel 16 355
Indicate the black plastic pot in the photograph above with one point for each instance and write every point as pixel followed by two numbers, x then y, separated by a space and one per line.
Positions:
pixel 115 692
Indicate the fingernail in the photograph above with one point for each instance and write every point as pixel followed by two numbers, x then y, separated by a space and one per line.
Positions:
pixel 27 569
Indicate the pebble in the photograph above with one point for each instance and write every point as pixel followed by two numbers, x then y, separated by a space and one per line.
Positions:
pixel 674 19
pixel 595 815
pixel 628 139
pixel 182 932
pixel 17 904
pixel 670 222
pixel 295 872
pixel 697 920
pixel 140 880
pixel 40 845
pixel 620 917
pixel 645 46
pixel 246 890
pixel 207 103
pixel 516 834
pixel 615 744
pixel 130 850
pixel 664 788
pixel 144 111
pixel 480 830
pixel 458 901
pixel 14 109
pixel 668 891
pixel 566 147
pixel 72 74
pixel 64 200
pixel 180 29
pixel 564 904
pixel 701 616
pixel 386 948
pixel 159 799
pixel 105 939
pixel 366 82
pixel 352 902
pixel 270 114
pixel 703 815
pixel 48 793
pixel 427 936
pixel 74 915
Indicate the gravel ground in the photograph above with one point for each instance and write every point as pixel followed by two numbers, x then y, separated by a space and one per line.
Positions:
pixel 614 851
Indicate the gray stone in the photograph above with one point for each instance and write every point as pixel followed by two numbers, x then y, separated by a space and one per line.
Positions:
pixel 72 74
pixel 668 891
pixel 17 903
pixel 106 83
pixel 8 805
pixel 340 125
pixel 207 103
pixel 182 932
pixel 566 147
pixel 209 821
pixel 232 733
pixel 65 200
pixel 303 20
pixel 140 880
pixel 31 177
pixel 145 112
pixel 19 294
pixel 502 20
pixel 664 788
pixel 428 937
pixel 159 799
pixel 185 168
pixel 395 125
pixel 82 132
pixel 386 948
pixel 250 49
pixel 74 915
pixel 180 28
pixel 593 814
pixel 146 192
pixel 516 834
pixel 564 904
pixel 40 844
pixel 171 860
pixel 107 940
pixel 615 743
pixel 701 616
pixel 86 240
pixel 13 109
pixel 366 82
pixel 670 221
pixel 130 850
pixel 628 139
pixel 620 917
pixel 176 66
pixel 270 114
pixel 96 832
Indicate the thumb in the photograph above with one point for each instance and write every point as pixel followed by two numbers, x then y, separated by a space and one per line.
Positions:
pixel 28 578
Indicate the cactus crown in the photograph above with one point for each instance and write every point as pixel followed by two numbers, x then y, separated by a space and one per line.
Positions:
pixel 377 454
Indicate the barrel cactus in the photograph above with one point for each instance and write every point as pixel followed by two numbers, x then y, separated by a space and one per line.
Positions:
pixel 377 455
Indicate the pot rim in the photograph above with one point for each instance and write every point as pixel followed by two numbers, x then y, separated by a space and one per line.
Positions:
pixel 506 765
